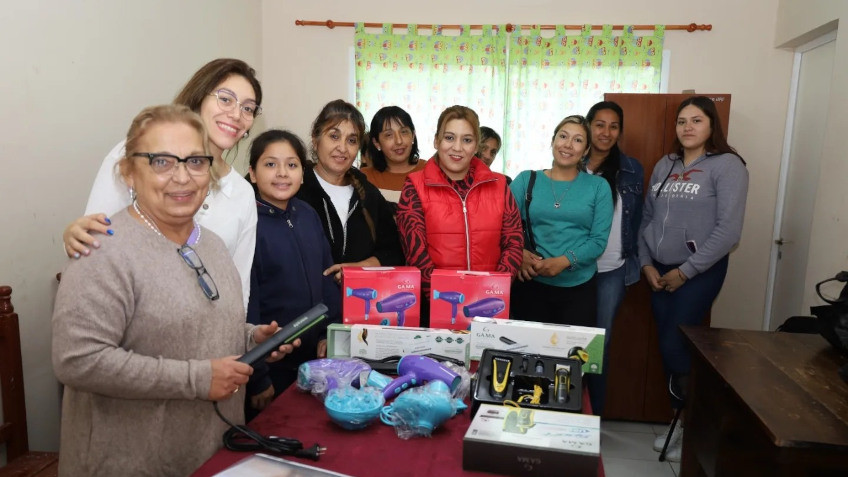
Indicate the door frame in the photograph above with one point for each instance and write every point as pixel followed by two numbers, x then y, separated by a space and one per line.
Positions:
pixel 784 168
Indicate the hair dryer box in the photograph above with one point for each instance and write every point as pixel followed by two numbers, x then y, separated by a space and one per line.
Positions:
pixel 381 295
pixel 456 296
pixel 533 442
pixel 378 342
pixel 579 342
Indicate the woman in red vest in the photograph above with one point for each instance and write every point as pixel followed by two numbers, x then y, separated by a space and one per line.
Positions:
pixel 456 213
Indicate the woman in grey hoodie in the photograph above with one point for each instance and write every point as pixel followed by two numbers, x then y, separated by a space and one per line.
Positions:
pixel 691 220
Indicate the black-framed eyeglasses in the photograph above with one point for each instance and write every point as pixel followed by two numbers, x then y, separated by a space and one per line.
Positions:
pixel 165 163
pixel 203 277
pixel 227 100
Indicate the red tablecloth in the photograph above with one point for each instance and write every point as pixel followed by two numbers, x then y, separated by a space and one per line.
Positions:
pixel 375 451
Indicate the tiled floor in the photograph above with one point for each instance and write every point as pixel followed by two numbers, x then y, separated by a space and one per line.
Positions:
pixel 627 450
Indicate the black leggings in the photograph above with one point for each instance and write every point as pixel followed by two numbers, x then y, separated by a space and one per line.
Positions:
pixel 534 301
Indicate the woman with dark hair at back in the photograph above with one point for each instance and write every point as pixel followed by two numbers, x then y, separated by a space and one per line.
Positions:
pixel 228 97
pixel 618 265
pixel 692 220
pixel 490 145
pixel 357 220
pixel 392 151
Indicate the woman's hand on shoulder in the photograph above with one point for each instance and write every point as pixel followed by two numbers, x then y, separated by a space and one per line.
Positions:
pixel 78 235
pixel 228 376
pixel 263 332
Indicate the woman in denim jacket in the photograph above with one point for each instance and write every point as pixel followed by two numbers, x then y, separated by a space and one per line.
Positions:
pixel 618 266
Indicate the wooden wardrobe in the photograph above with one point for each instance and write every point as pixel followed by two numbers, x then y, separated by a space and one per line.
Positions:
pixel 637 388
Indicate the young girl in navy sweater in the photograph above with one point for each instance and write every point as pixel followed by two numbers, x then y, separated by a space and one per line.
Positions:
pixel 291 254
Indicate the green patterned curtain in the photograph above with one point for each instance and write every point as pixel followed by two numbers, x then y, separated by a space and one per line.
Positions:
pixel 424 74
pixel 521 84
pixel 550 77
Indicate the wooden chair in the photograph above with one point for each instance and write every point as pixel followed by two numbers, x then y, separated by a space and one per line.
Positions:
pixel 13 428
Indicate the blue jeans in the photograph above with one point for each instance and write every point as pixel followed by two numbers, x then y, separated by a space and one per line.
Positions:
pixel 611 291
pixel 688 305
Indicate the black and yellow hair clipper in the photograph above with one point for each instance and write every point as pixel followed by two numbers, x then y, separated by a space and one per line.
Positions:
pixel 500 375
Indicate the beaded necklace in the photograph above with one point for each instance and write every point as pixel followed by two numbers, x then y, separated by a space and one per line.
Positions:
pixel 193 238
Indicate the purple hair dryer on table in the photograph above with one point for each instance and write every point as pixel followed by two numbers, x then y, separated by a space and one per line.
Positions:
pixel 366 294
pixel 399 302
pixel 452 297
pixel 414 370
pixel 320 376
pixel 487 307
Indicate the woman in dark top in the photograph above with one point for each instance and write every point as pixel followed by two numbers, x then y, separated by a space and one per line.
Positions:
pixel 357 220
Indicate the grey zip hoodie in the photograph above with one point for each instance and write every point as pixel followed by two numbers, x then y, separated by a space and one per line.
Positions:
pixel 693 216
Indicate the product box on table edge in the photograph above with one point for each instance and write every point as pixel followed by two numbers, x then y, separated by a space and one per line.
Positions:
pixel 338 340
pixel 381 295
pixel 583 343
pixel 456 296
pixel 532 442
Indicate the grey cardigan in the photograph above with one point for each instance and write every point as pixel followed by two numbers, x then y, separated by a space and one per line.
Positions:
pixel 133 336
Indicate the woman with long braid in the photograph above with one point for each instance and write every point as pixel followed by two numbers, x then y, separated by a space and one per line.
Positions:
pixel 356 218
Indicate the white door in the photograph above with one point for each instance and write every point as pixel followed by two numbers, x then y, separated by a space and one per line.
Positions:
pixel 799 179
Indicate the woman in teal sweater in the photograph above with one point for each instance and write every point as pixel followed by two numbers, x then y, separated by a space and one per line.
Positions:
pixel 570 213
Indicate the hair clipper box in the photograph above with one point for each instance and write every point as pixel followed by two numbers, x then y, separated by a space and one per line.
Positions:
pixel 457 296
pixel 579 342
pixel 533 442
pixel 381 295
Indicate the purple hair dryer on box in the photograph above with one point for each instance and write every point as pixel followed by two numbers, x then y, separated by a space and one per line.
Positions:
pixel 399 302
pixel 452 297
pixel 366 294
pixel 487 307
pixel 414 370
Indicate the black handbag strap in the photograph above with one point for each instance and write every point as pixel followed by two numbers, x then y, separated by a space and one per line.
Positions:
pixel 528 196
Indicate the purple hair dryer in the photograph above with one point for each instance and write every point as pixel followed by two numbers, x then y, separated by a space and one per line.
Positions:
pixel 366 294
pixel 487 307
pixel 399 303
pixel 414 370
pixel 452 297
pixel 320 376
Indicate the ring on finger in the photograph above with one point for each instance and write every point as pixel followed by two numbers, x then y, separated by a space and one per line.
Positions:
pixel 236 390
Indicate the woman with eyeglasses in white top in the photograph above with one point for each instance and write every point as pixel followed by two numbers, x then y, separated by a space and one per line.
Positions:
pixel 227 95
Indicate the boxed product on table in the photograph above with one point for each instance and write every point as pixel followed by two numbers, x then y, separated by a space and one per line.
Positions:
pixel 580 342
pixel 338 340
pixel 378 342
pixel 534 442
pixel 381 295
pixel 456 296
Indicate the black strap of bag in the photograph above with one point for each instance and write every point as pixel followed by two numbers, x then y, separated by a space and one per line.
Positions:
pixel 529 243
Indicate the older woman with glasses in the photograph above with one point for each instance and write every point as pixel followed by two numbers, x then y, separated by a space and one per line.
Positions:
pixel 567 223
pixel 227 96
pixel 146 332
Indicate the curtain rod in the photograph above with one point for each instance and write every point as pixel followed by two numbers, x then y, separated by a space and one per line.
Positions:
pixel 509 26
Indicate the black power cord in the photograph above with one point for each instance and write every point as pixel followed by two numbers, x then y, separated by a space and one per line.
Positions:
pixel 244 439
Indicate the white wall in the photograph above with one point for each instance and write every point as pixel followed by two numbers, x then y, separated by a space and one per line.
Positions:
pixel 74 73
pixel 800 21
pixel 308 66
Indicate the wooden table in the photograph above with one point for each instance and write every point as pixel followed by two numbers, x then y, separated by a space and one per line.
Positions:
pixel 764 403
